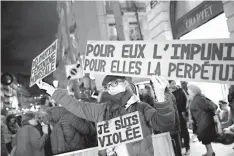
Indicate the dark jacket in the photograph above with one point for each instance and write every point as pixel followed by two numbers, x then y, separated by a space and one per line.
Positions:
pixel 102 112
pixel 181 100
pixel 3 145
pixel 71 128
pixel 201 113
pixel 29 142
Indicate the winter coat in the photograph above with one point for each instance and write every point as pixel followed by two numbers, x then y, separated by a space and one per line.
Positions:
pixel 201 113
pixel 181 101
pixel 3 146
pixel 102 112
pixel 8 136
pixel 29 142
pixel 69 132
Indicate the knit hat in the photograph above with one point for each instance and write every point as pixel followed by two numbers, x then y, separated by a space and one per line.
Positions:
pixel 110 78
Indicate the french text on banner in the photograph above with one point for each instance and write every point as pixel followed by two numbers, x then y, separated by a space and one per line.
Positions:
pixel 186 60
pixel 44 64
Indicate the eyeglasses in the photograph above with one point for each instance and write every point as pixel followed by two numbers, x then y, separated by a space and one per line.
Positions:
pixel 113 84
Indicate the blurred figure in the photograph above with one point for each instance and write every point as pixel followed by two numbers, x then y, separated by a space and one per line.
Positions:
pixel 202 117
pixel 8 136
pixel 68 131
pixel 12 124
pixel 225 114
pixel 181 101
pixel 231 101
pixel 29 142
pixel 147 96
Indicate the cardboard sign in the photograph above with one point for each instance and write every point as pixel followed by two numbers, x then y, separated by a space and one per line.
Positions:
pixel 85 152
pixel 120 130
pixel 74 71
pixel 44 64
pixel 184 60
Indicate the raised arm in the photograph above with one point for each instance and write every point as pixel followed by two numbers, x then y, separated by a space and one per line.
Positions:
pixel 86 110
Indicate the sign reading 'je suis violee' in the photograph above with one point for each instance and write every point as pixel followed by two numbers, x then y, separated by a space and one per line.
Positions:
pixel 44 64
pixel 120 130
pixel 193 60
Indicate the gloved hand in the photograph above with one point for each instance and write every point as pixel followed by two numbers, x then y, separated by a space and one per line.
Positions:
pixel 45 86
pixel 159 85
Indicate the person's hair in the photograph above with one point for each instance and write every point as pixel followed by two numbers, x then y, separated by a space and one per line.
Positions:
pixel 8 119
pixel 195 89
pixel 170 81
pixel 26 117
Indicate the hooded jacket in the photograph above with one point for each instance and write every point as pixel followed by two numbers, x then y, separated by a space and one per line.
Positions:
pixel 114 108
pixel 69 131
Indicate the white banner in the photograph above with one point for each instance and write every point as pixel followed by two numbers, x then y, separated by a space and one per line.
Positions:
pixel 120 130
pixel 185 60
pixel 44 64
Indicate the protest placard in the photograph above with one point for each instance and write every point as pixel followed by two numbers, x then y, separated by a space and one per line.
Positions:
pixel 44 64
pixel 74 71
pixel 185 60
pixel 120 130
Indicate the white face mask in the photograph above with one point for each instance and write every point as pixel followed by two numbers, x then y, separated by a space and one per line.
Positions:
pixel 116 90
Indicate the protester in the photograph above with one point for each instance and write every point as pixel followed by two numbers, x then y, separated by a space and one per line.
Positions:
pixel 4 151
pixel 203 119
pixel 225 114
pixel 29 142
pixel 69 132
pixel 8 136
pixel 169 120
pixel 121 101
pixel 181 101
pixel 147 96
pixel 231 101
pixel 12 124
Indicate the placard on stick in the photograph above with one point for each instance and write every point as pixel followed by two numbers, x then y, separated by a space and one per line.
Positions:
pixel 120 130
pixel 44 64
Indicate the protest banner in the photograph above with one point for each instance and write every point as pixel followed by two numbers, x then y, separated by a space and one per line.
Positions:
pixel 120 130
pixel 44 64
pixel 184 60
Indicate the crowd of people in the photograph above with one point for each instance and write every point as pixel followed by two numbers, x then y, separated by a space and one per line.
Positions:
pixel 163 107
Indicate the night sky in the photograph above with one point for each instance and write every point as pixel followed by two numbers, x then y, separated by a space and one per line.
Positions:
pixel 27 28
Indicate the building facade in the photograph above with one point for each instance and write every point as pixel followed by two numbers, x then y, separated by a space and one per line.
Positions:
pixel 193 20
pixel 135 23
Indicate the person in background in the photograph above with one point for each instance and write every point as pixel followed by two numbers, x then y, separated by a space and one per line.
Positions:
pixel 4 130
pixel 231 102
pixel 225 114
pixel 181 101
pixel 8 136
pixel 121 101
pixel 147 96
pixel 29 141
pixel 202 117
pixel 12 124
pixel 69 132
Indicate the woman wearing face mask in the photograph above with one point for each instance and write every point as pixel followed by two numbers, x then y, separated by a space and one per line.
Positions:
pixel 29 142
pixel 119 101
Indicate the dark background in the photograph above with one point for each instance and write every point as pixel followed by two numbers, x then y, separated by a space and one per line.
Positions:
pixel 27 28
